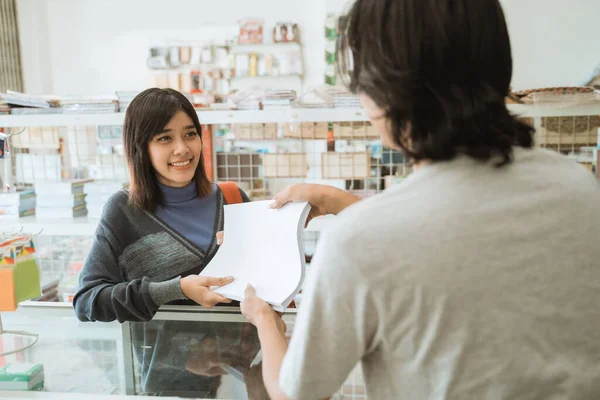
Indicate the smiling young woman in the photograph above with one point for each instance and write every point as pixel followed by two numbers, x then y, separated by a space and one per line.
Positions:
pixel 153 240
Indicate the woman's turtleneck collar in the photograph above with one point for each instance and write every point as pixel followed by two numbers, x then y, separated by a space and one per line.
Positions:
pixel 174 195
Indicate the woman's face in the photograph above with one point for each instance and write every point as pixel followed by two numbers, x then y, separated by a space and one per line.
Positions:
pixel 379 121
pixel 175 152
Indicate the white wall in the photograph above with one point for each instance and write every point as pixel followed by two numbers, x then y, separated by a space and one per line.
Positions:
pixel 554 42
pixel 97 47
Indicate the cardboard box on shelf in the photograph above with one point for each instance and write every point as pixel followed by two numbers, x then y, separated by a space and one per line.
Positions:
pixel 243 131
pixel 342 130
pixel 287 165
pixel 270 131
pixel 345 165
pixel 257 131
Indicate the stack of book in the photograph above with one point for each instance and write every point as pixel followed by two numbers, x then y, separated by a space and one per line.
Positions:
pixel 343 98
pixel 4 108
pixel 278 99
pixel 24 100
pixel 17 204
pixel 61 199
pixel 89 105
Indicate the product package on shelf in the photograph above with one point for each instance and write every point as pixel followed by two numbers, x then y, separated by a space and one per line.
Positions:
pixel 561 96
pixel 23 100
pixel 285 165
pixel 4 107
pixel 61 199
pixel 346 165
pixel 22 377
pixel 275 99
pixel 90 105
pixel 17 204
pixel 19 272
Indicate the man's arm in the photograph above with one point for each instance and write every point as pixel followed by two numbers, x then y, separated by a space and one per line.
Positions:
pixel 271 333
pixel 324 199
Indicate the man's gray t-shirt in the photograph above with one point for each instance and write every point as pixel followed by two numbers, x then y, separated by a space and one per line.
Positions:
pixel 466 281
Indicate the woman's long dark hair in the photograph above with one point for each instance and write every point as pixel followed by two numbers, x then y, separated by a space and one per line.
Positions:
pixel 440 69
pixel 146 116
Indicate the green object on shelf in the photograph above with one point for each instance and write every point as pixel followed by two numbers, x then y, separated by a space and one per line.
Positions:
pixel 21 376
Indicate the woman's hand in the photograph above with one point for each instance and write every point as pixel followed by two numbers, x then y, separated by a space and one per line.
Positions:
pixel 197 288
pixel 256 310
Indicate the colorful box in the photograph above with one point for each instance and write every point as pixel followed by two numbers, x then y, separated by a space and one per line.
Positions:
pixel 19 272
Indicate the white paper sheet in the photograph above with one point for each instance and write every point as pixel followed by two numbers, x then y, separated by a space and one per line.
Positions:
pixel 263 247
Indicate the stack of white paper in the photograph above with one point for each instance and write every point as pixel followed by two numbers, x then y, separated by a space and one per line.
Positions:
pixel 263 247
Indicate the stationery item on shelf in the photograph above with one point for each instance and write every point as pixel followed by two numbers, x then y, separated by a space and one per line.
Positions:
pixel 19 272
pixel 89 105
pixel 21 99
pixel 278 99
pixel 4 107
pixel 64 187
pixel 343 98
pixel 17 204
pixel 61 199
pixel 560 96
pixel 251 31
pixel 22 376
pixel 252 231
pixel 34 111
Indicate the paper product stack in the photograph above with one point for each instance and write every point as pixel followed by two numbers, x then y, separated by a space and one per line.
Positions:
pixel 343 98
pixel 98 194
pixel 4 108
pixel 17 204
pixel 89 105
pixel 20 103
pixel 278 99
pixel 124 99
pixel 61 199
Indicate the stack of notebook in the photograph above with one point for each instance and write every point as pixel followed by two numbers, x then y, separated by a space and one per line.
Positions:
pixel 61 199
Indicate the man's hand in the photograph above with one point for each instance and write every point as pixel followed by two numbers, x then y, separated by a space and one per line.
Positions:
pixel 322 198
pixel 313 194
pixel 256 310
pixel 197 288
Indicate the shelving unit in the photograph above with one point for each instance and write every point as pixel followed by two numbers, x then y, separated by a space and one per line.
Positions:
pixel 291 115
pixel 86 226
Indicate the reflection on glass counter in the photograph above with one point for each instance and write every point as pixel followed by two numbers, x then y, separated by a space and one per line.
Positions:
pixel 197 359
pixel 76 357
pixel 185 351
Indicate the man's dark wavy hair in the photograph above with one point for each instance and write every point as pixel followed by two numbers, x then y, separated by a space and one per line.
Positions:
pixel 440 68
